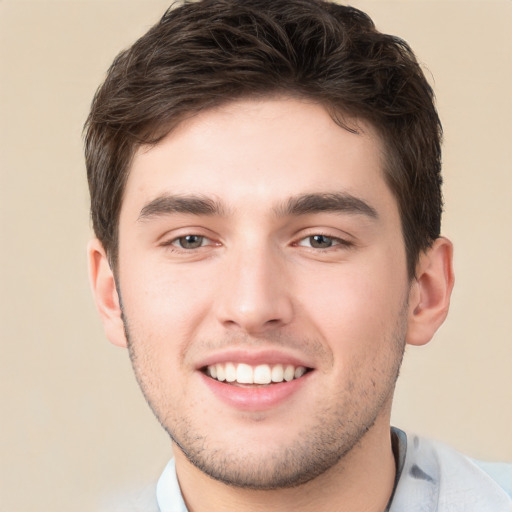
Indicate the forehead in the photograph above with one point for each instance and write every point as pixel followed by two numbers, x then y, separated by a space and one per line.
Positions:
pixel 258 153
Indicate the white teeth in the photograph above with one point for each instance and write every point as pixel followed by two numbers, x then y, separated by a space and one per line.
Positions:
pixel 221 373
pixel 289 373
pixel 244 374
pixel 261 374
pixel 277 373
pixel 231 373
pixel 299 372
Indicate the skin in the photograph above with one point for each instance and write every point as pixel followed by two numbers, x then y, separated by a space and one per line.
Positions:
pixel 258 285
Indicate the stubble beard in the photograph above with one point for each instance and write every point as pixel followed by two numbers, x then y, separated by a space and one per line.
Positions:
pixel 327 438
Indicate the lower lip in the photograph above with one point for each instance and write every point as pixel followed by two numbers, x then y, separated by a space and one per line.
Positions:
pixel 258 398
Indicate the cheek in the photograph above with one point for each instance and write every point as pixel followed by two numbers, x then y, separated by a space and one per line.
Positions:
pixel 159 291
pixel 362 322
pixel 163 309
pixel 354 308
pixel 161 312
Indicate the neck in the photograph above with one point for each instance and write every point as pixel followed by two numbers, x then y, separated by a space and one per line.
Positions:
pixel 361 482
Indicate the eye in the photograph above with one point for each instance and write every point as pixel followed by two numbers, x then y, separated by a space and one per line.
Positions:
pixel 190 242
pixel 322 242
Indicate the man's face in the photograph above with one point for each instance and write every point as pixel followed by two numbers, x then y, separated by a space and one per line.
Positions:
pixel 258 242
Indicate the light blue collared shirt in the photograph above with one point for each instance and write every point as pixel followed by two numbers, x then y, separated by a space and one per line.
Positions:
pixel 431 477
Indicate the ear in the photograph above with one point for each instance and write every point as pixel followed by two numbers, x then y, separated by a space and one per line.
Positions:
pixel 105 293
pixel 431 289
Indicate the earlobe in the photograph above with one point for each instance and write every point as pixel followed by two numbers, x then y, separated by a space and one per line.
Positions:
pixel 429 298
pixel 105 293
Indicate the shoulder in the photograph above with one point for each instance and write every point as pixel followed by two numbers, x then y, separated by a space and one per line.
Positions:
pixel 500 472
pixel 448 481
pixel 483 485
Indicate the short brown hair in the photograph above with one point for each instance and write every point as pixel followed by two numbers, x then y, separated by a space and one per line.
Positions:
pixel 205 53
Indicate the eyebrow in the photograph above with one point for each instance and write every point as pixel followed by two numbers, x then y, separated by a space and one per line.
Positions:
pixel 303 204
pixel 169 204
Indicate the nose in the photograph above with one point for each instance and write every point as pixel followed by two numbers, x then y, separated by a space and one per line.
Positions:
pixel 255 293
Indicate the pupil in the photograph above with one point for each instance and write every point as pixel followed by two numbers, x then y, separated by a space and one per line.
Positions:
pixel 320 241
pixel 191 241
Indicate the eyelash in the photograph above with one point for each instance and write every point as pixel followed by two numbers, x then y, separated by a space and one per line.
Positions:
pixel 172 244
pixel 335 242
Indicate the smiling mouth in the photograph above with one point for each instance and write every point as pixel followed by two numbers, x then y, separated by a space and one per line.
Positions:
pixel 262 374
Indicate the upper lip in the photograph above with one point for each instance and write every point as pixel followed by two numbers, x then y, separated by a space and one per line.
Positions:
pixel 253 357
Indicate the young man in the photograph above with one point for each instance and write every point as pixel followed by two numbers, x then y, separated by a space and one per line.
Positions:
pixel 265 189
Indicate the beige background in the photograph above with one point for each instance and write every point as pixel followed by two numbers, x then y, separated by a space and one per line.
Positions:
pixel 74 427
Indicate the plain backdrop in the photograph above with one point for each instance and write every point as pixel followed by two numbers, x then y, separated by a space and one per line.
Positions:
pixel 74 428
